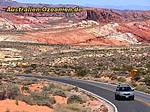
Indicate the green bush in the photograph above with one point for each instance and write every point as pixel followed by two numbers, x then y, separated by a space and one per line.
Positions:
pixel 74 99
pixel 25 88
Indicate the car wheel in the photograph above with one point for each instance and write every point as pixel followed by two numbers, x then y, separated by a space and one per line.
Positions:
pixel 132 98
pixel 116 97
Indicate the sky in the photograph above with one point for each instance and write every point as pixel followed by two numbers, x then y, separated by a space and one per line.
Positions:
pixel 119 4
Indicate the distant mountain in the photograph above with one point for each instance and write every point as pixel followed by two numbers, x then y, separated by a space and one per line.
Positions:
pixel 6 0
pixel 134 7
pixel 10 3
pixel 107 26
pixel 17 4
pixel 122 7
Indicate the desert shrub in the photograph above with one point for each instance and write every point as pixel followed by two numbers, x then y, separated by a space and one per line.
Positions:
pixel 147 80
pixel 7 76
pixel 74 99
pixel 28 71
pixel 71 108
pixel 2 87
pixel 137 78
pixel 143 88
pixel 33 66
pixel 127 68
pixel 123 68
pixel 25 88
pixel 12 91
pixel 38 96
pixel 85 97
pixel 27 99
pixel 29 81
pixel 38 99
pixel 81 71
pixel 66 88
pixel 76 89
pixel 121 79
pixel 88 109
pixel 133 83
pixel 43 99
pixel 59 92
pixel 2 92
pixel 96 75
pixel 113 77
pixel 49 88
pixel 2 76
pixel 116 69
pixel 46 73
pixel 148 65
pixel 45 103
pixel 141 72
pixel 65 66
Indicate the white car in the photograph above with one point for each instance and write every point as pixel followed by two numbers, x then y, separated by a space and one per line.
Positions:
pixel 124 91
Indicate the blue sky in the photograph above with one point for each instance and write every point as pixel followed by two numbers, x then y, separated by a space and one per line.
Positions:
pixel 120 4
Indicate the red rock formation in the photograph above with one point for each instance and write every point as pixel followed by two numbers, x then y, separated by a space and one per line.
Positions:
pixel 140 29
pixel 108 15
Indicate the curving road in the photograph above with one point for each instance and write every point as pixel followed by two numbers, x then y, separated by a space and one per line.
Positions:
pixel 140 104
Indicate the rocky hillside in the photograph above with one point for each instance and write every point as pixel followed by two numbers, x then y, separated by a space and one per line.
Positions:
pixel 110 15
pixel 89 27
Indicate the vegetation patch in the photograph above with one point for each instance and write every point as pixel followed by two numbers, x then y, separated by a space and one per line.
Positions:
pixel 75 99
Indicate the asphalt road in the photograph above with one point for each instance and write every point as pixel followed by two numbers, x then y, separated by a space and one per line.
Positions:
pixel 140 104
